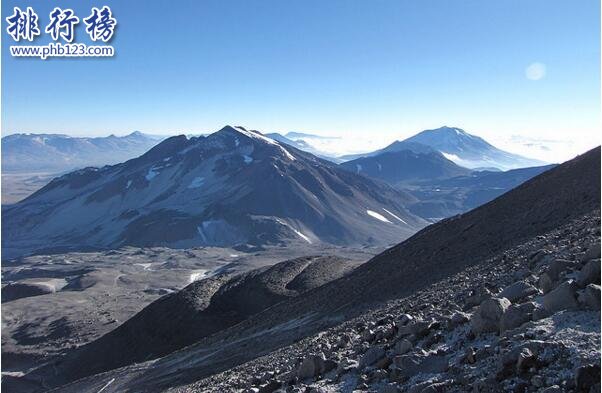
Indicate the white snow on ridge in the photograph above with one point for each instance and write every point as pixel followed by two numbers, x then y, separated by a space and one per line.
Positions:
pixel 393 215
pixel 196 182
pixel 302 236
pixel 197 275
pixel 451 157
pixel 255 135
pixel 378 216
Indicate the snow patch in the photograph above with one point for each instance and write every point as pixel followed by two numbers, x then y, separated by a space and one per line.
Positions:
pixel 129 184
pixel 248 159
pixel 358 167
pixel 380 167
pixel 196 182
pixel 145 266
pixel 151 174
pixel 393 215
pixel 255 135
pixel 302 236
pixel 451 157
pixel 378 216
pixel 198 275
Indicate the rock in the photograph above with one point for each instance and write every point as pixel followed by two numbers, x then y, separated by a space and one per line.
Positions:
pixel 526 359
pixel 590 273
pixel 413 364
pixel 552 389
pixel 470 356
pixel 383 363
pixel 347 365
pixel 478 297
pixel 388 388
pixel 591 297
pixel 403 346
pixel 559 266
pixel 368 335
pixel 487 317
pixel 417 328
pixel 437 387
pixel 593 252
pixel 586 377
pixel 344 340
pixel 270 387
pixel 539 313
pixel 561 298
pixel 459 318
pixel 545 283
pixel 311 367
pixel 518 291
pixel 537 381
pixel 330 365
pixel 516 315
pixel 404 319
pixel 371 356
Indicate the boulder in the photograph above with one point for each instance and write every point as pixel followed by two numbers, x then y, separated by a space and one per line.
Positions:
pixel 559 266
pixel 388 388
pixel 516 315
pixel 404 319
pixel 586 377
pixel 459 318
pixel 525 360
pixel 403 346
pixel 418 328
pixel 591 297
pixel 518 291
pixel 593 252
pixel 428 363
pixel 561 298
pixel 545 283
pixel 487 318
pixel 590 273
pixel 371 356
pixel 311 366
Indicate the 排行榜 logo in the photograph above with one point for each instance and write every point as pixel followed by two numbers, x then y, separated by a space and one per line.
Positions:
pixel 25 25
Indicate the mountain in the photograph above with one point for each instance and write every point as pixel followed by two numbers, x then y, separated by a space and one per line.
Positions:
pixel 302 136
pixel 457 145
pixel 455 264
pixel 233 187
pixel 469 150
pixel 55 153
pixel 405 165
pixel 301 145
pixel 441 198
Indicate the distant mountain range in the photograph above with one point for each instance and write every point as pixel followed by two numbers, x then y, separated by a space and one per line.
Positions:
pixel 457 145
pixel 233 187
pixel 302 145
pixel 55 153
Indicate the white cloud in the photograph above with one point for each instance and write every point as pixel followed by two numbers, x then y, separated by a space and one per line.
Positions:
pixel 535 71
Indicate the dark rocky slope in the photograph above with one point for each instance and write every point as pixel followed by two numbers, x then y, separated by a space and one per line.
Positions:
pixel 199 310
pixel 568 192
pixel 403 166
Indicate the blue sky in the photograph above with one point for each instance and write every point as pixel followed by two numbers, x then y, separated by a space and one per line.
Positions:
pixel 386 69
